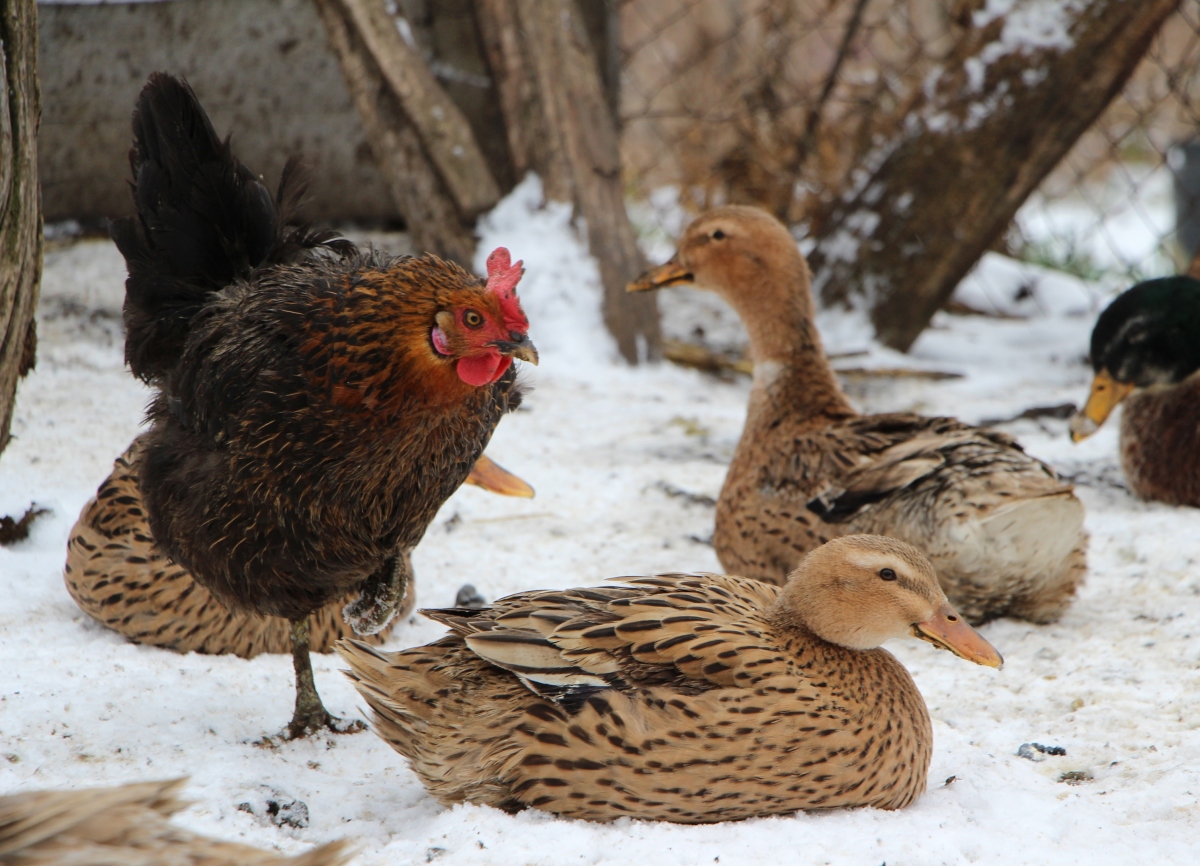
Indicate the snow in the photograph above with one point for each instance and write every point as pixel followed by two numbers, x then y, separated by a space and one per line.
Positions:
pixel 1029 25
pixel 1113 684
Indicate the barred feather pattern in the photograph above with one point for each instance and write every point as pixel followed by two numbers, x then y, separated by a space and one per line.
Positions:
pixel 1004 532
pixel 675 697
pixel 119 577
pixel 126 825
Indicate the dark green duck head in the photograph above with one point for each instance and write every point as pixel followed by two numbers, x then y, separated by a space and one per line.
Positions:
pixel 1150 335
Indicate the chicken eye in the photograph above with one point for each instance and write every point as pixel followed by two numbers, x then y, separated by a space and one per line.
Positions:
pixel 472 319
pixel 718 235
pixel 887 574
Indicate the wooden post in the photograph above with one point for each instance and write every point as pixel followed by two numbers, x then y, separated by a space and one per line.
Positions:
pixel 936 194
pixel 20 208
pixel 560 124
pixel 435 171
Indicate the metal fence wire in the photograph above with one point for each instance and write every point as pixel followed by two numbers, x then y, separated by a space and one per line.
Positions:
pixel 775 102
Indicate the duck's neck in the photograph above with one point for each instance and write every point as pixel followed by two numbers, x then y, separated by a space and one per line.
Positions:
pixel 792 377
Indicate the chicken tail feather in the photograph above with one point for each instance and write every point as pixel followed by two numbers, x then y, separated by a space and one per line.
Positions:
pixel 203 220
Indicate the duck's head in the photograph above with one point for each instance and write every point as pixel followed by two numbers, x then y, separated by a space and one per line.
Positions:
pixel 732 251
pixel 858 591
pixel 1150 335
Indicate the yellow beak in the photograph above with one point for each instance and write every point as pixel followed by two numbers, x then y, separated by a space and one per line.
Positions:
pixel 495 478
pixel 948 630
pixel 670 273
pixel 1106 393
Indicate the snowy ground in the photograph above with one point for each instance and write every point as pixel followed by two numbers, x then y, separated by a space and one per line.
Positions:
pixel 1114 683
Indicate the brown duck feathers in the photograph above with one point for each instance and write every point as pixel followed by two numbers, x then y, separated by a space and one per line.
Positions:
pixel 1145 350
pixel 119 578
pixel 127 825
pixel 1004 532
pixel 681 697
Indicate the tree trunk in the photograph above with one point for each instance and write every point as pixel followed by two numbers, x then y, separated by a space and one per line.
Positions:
pixel 423 145
pixel 20 213
pixel 560 124
pixel 996 120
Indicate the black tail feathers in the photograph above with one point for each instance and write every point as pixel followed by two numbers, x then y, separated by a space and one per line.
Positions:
pixel 203 220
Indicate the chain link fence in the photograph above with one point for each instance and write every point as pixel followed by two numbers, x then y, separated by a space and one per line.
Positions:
pixel 777 103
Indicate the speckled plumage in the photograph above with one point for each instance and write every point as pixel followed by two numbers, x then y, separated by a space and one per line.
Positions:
pixel 117 576
pixel 1004 532
pixel 308 445
pixel 127 825
pixel 1160 442
pixel 315 404
pixel 682 697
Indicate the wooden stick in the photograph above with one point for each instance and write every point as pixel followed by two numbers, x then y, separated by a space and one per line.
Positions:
pixel 700 358
pixel 444 132
pixel 414 181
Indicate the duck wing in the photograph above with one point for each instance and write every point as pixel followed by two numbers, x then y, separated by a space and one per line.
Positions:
pixel 888 454
pixel 688 632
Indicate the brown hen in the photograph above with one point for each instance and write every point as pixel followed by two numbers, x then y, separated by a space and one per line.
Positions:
pixel 316 405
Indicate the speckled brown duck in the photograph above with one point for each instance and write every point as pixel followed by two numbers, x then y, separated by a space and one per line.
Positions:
pixel 119 578
pixel 1003 531
pixel 127 825
pixel 1146 354
pixel 690 698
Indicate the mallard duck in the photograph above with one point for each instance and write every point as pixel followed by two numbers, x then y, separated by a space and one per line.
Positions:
pixel 1146 354
pixel 682 697
pixel 119 578
pixel 127 825
pixel 1004 532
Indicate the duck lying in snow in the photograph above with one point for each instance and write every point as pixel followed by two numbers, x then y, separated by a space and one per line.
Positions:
pixel 127 825
pixel 118 576
pixel 683 697
pixel 1004 532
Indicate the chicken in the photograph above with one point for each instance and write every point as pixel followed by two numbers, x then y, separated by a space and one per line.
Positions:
pixel 315 404
pixel 118 577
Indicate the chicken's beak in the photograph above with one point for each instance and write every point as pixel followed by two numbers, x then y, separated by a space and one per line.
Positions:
pixel 496 479
pixel 1106 393
pixel 520 346
pixel 948 630
pixel 670 273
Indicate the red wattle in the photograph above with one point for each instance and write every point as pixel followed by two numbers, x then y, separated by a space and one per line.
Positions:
pixel 481 370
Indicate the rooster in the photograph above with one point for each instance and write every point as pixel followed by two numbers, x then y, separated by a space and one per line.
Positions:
pixel 315 404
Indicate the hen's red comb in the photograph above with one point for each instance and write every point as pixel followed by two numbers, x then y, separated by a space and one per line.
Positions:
pixel 502 279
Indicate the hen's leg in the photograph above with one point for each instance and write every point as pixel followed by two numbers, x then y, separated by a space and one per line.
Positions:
pixel 380 596
pixel 310 715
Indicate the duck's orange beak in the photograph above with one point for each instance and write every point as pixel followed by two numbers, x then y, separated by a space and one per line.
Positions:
pixel 670 273
pixel 947 630
pixel 1106 393
pixel 495 478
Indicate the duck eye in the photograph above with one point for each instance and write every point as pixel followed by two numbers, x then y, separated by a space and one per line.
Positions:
pixel 887 574
pixel 472 319
pixel 718 235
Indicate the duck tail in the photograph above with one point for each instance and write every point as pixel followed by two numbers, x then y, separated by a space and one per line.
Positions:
pixel 202 221
pixel 397 696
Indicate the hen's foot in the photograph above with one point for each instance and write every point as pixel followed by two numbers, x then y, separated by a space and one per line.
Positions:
pixel 310 716
pixel 314 723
